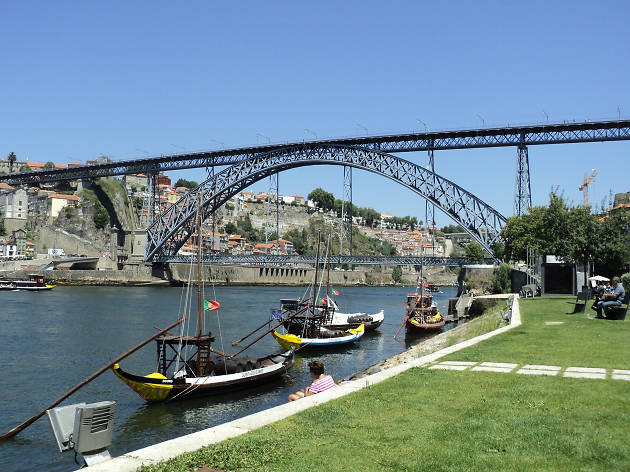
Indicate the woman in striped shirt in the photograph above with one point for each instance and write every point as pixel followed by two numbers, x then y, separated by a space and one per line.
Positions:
pixel 320 383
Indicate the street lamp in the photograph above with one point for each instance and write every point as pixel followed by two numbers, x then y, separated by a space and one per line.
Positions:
pixel 426 128
pixel 363 127
pixel 306 131
pixel 218 142
pixel 258 135
pixel 483 122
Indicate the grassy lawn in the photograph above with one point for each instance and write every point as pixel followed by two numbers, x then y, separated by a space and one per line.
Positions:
pixel 438 420
pixel 580 341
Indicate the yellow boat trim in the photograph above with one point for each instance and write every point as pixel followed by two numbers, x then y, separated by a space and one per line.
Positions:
pixel 150 392
pixel 287 341
pixel 50 286
pixel 358 330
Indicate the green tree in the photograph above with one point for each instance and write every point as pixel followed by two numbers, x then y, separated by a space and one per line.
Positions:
pixel 190 184
pixel 11 158
pixel 613 252
pixel 583 238
pixel 453 229
pixel 501 282
pixel 397 274
pixel 49 165
pixel 2 229
pixel 474 252
pixel 324 200
pixel 101 217
pixel 299 238
pixel 25 168
pixel 231 228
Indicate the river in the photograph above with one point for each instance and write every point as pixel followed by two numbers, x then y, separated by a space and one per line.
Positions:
pixel 50 341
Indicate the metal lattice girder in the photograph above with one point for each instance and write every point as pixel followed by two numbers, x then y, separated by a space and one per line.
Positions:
pixel 522 186
pixel 169 233
pixel 404 142
pixel 259 259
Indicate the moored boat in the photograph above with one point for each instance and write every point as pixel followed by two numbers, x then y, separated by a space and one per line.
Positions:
pixel 422 313
pixel 188 366
pixel 35 283
pixel 325 338
pixel 222 376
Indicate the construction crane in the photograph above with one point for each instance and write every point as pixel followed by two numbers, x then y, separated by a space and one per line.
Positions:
pixel 584 187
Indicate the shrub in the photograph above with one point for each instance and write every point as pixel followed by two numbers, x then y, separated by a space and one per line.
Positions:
pixel 501 281
pixel 625 280
pixel 397 274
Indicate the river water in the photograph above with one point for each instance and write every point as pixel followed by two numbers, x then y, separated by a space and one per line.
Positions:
pixel 50 341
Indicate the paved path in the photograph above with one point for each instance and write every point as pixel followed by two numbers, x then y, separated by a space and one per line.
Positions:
pixel 534 369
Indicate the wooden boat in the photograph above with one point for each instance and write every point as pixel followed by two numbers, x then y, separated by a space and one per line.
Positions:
pixel 433 288
pixel 335 319
pixel 422 313
pixel 325 338
pixel 311 324
pixel 222 376
pixel 35 283
pixel 186 367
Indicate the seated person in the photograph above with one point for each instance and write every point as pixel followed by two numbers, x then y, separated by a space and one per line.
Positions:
pixel 320 383
pixel 614 298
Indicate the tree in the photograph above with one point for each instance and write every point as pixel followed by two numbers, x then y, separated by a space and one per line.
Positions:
pixel 11 158
pixel 324 200
pixel 397 274
pixel 49 165
pixel 101 217
pixel 189 184
pixel 25 168
pixel 453 229
pixel 501 282
pixel 231 228
pixel 583 237
pixel 474 252
pixel 298 238
pixel 2 229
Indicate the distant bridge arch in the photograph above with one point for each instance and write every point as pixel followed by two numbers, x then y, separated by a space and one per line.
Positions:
pixel 168 233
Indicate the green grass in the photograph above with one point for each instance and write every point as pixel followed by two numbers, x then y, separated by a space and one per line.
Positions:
pixel 579 341
pixel 437 420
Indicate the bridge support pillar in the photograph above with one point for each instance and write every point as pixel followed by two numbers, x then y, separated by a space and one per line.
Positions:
pixel 346 210
pixel 429 208
pixel 272 192
pixel 522 188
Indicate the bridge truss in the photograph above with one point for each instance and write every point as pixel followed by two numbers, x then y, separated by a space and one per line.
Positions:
pixel 266 259
pixel 172 228
pixel 560 133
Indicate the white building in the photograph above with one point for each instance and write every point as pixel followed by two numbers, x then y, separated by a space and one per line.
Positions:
pixel 13 202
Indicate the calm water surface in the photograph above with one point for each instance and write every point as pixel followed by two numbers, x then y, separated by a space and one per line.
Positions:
pixel 51 341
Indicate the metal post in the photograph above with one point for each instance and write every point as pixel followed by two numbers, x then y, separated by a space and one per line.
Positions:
pixel 429 208
pixel 522 188
pixel 273 189
pixel 210 174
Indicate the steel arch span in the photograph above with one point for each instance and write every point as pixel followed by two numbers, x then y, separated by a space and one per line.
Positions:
pixel 168 233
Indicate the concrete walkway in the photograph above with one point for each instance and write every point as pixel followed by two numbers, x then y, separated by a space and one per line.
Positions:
pixel 166 450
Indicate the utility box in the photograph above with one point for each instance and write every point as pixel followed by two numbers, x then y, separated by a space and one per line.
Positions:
pixel 85 428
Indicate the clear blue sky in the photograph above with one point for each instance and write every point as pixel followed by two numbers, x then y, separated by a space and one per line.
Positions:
pixel 131 79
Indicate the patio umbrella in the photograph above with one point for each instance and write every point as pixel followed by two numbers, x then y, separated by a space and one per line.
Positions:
pixel 598 278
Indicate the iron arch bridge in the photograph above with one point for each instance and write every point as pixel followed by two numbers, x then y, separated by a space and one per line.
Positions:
pixel 168 233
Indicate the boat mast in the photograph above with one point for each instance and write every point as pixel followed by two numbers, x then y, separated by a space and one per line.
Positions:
pixel 200 314
pixel 316 272
pixel 328 272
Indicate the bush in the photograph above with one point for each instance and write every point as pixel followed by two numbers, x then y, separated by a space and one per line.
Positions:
pixel 501 281
pixel 397 274
pixel 625 280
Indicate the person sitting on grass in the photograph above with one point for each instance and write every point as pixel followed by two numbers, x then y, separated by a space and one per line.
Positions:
pixel 320 383
pixel 614 298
